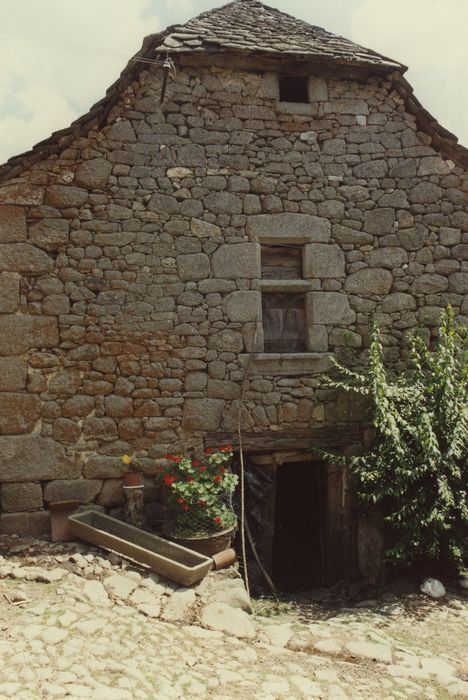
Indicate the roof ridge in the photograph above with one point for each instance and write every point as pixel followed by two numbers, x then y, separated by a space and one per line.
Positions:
pixel 254 27
pixel 258 3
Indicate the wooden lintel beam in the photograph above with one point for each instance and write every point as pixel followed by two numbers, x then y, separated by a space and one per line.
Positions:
pixel 331 437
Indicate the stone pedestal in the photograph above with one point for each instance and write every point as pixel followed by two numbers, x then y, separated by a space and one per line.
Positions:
pixel 134 505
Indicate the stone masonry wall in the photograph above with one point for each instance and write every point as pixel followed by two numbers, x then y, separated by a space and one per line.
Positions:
pixel 131 279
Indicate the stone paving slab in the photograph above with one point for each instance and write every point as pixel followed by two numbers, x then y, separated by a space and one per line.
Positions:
pixel 66 635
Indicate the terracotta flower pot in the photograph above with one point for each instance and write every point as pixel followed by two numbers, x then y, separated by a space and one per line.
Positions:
pixel 132 479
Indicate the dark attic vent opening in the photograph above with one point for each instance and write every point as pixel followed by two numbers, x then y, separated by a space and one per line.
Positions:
pixel 294 88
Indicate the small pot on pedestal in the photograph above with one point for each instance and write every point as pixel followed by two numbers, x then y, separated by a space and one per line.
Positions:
pixel 133 479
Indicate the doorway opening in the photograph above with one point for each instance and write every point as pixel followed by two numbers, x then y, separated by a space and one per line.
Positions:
pixel 300 526
pixel 300 514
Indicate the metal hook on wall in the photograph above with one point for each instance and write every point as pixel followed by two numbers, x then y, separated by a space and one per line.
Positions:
pixel 168 67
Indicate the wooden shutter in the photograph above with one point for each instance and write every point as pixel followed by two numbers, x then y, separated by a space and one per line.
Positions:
pixel 281 262
pixel 284 322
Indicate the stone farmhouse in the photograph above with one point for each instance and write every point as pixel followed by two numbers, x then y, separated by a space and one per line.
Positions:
pixel 183 260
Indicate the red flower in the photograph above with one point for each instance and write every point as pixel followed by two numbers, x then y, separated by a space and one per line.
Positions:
pixel 181 501
pixel 189 479
pixel 186 506
pixel 222 470
pixel 217 520
pixel 217 479
pixel 209 451
pixel 203 469
pixel 169 479
pixel 226 448
pixel 196 463
pixel 173 458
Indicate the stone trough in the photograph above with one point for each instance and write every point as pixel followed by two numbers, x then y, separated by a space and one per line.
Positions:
pixel 165 558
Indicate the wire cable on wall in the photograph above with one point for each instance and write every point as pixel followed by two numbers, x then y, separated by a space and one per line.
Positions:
pixel 76 48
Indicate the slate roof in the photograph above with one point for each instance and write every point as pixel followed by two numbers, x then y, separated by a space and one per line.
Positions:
pixel 250 26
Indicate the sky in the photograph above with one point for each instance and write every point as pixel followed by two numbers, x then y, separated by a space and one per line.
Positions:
pixel 57 57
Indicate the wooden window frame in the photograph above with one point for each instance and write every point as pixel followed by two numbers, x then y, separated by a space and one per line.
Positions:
pixel 285 331
pixel 288 283
pixel 311 362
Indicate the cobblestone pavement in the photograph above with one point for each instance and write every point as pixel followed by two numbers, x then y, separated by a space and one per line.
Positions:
pixel 82 625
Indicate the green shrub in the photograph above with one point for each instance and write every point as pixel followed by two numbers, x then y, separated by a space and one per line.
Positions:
pixel 416 470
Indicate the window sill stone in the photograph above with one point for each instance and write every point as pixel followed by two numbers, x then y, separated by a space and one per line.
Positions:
pixel 287 364
pixel 303 108
pixel 286 285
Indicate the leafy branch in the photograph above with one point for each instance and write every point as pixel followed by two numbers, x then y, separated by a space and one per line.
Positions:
pixel 416 469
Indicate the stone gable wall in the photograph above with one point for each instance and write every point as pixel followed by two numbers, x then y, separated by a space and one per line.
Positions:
pixel 131 283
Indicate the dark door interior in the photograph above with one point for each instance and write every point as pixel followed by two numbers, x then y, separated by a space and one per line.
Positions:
pixel 300 526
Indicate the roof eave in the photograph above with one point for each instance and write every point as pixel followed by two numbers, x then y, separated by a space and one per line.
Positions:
pixel 384 66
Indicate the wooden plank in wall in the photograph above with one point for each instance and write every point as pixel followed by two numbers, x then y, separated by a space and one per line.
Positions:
pixel 330 437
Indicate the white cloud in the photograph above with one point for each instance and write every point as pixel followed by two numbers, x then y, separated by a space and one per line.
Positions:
pixel 47 75
pixel 183 10
pixel 429 36
pixel 34 122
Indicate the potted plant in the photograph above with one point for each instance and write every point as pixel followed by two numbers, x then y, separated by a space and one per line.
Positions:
pixel 131 471
pixel 201 516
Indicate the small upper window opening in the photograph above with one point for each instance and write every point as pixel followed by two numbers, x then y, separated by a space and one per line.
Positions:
pixel 281 262
pixel 294 88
